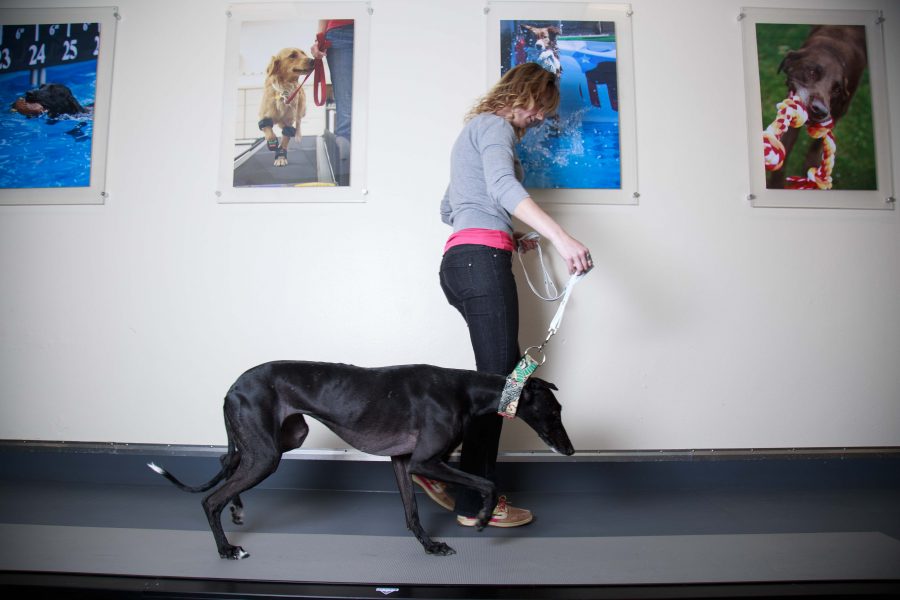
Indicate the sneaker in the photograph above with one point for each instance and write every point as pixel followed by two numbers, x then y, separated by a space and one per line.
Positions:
pixel 436 490
pixel 504 516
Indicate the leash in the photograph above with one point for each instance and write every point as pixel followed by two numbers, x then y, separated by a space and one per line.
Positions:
pixel 527 365
pixel 319 90
pixel 792 113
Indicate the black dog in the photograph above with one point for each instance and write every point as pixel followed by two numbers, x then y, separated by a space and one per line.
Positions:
pixel 416 414
pixel 824 73
pixel 55 99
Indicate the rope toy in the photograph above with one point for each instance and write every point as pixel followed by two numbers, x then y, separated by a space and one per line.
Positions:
pixel 792 113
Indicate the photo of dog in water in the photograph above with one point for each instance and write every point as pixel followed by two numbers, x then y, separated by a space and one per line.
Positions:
pixel 49 120
pixel 52 99
pixel 824 70
pixel 579 147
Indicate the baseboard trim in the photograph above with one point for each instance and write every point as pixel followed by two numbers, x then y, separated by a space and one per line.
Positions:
pixel 652 455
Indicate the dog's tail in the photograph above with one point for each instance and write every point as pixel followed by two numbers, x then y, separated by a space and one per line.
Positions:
pixel 227 469
pixel 187 488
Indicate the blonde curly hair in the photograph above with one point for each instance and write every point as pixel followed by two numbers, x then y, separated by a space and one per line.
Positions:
pixel 524 86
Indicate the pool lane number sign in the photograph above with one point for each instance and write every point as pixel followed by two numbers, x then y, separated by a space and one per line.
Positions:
pixel 38 46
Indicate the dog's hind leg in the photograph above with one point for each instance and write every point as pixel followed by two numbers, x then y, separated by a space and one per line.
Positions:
pixel 257 455
pixel 251 470
pixel 237 506
pixel 408 496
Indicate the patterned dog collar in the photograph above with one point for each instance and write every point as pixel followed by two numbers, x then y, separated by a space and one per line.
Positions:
pixel 515 383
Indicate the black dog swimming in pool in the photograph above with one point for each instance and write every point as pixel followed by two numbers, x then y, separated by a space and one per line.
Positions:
pixel 55 99
pixel 416 414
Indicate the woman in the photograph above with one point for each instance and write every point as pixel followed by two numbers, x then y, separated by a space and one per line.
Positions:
pixel 485 192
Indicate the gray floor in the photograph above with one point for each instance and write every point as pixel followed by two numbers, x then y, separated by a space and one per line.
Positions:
pixel 389 560
pixel 624 525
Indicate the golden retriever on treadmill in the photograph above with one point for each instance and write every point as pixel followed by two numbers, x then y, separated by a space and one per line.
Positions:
pixel 282 78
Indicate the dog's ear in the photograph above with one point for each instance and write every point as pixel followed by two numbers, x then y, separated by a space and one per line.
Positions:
pixel 273 65
pixel 788 59
pixel 544 384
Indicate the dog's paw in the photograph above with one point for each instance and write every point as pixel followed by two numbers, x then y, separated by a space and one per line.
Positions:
pixel 439 549
pixel 281 162
pixel 237 516
pixel 233 553
pixel 482 519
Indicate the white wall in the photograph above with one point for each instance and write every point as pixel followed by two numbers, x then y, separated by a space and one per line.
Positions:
pixel 706 324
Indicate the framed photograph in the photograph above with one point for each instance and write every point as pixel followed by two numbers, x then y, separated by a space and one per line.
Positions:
pixel 817 110
pixel 55 81
pixel 294 119
pixel 587 152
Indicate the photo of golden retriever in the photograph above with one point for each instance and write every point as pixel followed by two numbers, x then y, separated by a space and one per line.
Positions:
pixel 283 104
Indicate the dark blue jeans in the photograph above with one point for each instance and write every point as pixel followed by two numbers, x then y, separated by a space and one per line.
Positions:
pixel 478 282
pixel 340 65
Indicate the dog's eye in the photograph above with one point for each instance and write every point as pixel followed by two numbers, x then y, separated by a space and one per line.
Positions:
pixel 294 55
pixel 837 89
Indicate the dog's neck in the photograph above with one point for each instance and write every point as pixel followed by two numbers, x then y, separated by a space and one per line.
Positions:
pixel 484 397
pixel 282 86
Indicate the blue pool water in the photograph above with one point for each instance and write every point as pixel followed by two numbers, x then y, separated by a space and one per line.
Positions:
pixel 41 152
pixel 580 148
pixel 573 155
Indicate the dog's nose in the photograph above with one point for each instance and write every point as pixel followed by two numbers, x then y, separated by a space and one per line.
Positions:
pixel 818 110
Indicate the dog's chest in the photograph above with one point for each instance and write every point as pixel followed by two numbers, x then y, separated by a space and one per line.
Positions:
pixel 378 442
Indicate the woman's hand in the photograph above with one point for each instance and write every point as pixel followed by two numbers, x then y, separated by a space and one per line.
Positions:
pixel 577 256
pixel 524 245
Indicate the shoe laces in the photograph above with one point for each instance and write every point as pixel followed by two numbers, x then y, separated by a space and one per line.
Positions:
pixel 501 505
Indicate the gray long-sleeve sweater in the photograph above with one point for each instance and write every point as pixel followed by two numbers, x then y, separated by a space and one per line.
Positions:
pixel 485 176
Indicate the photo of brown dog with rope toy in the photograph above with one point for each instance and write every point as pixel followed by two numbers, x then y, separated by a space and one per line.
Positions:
pixel 821 80
pixel 284 101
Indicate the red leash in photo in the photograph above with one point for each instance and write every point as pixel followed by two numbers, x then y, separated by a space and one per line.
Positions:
pixel 319 91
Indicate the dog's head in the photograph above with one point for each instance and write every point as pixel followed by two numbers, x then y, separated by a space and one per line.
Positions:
pixel 539 408
pixel 289 64
pixel 826 70
pixel 818 79
pixel 543 37
pixel 53 98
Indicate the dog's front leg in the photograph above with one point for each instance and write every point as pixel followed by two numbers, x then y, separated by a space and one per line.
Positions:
pixel 441 471
pixel 404 483
pixel 287 132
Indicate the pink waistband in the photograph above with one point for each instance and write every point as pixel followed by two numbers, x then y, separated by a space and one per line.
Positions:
pixel 483 237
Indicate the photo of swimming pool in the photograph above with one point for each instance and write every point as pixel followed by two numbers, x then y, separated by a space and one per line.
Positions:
pixel 45 152
pixel 579 148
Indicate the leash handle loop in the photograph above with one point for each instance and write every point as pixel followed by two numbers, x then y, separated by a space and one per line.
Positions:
pixel 549 286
